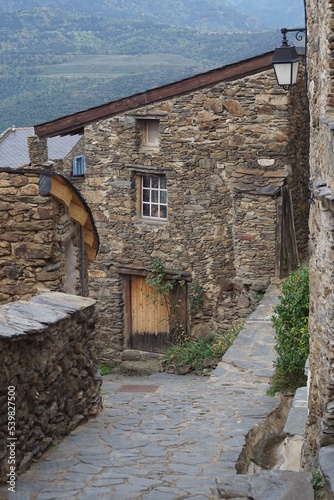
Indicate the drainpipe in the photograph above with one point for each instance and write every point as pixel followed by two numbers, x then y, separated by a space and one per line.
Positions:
pixel 82 264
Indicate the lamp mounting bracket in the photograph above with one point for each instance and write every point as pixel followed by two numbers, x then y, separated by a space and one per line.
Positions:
pixel 298 32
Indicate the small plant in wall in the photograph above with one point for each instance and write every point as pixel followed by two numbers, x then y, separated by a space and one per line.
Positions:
pixel 318 484
pixel 167 292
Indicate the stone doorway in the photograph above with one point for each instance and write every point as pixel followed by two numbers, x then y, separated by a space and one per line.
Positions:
pixel 148 319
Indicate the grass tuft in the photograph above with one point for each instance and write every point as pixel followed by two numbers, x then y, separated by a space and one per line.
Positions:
pixel 196 355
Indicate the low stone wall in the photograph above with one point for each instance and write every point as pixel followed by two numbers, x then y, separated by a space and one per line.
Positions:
pixel 48 380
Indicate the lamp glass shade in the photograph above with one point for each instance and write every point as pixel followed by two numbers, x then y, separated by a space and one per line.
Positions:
pixel 286 73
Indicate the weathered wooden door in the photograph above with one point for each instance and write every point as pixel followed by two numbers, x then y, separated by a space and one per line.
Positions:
pixel 148 321
pixel 286 243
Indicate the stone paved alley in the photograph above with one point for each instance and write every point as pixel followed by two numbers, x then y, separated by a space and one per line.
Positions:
pixel 163 436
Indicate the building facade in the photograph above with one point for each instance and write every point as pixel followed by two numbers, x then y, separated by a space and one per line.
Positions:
pixel 208 176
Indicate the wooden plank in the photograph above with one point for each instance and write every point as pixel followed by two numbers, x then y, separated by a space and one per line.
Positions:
pixel 279 237
pixel 127 311
pixel 289 234
pixel 70 123
pixel 78 213
pixel 286 240
pixel 147 317
pixel 295 258
pixel 60 191
pixel 91 253
pixel 88 236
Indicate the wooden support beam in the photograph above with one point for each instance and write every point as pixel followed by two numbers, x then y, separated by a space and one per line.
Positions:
pixel 88 236
pixel 77 213
pixel 91 253
pixel 279 237
pixel 127 311
pixel 185 276
pixel 60 191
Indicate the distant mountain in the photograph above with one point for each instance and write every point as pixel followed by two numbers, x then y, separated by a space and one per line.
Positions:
pixel 274 13
pixel 203 15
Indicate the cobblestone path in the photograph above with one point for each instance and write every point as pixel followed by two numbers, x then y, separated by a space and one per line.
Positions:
pixel 164 437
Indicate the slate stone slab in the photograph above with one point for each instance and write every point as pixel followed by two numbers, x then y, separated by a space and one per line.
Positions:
pixel 326 462
pixel 267 485
pixel 296 421
pixel 39 313
pixel 63 301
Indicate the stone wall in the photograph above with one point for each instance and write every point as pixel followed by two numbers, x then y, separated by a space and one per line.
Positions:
pixel 204 137
pixel 35 234
pixel 48 361
pixel 255 239
pixel 320 61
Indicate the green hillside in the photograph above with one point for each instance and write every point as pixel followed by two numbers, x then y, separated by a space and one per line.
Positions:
pixel 55 62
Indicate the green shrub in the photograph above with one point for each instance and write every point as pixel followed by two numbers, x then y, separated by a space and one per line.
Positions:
pixel 291 326
pixel 197 354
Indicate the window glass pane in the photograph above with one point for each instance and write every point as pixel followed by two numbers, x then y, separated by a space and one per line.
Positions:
pixel 146 210
pixel 146 181
pixel 155 181
pixel 152 131
pixel 163 197
pixel 163 212
pixel 79 165
pixel 155 210
pixel 155 196
pixel 146 195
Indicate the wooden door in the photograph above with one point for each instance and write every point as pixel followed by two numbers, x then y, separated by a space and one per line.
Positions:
pixel 147 317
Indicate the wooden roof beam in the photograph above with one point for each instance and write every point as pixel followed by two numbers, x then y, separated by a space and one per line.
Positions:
pixel 78 213
pixel 61 192
pixel 71 123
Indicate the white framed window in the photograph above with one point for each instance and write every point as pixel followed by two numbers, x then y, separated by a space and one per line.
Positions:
pixel 79 166
pixel 150 130
pixel 154 197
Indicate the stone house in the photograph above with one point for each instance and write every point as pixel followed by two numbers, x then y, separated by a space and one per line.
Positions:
pixel 206 174
pixel 320 430
pixel 47 235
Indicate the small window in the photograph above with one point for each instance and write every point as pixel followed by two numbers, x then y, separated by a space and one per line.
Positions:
pixel 79 166
pixel 154 197
pixel 150 133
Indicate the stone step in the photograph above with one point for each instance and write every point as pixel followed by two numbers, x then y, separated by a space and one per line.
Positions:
pixel 137 362
pixel 266 485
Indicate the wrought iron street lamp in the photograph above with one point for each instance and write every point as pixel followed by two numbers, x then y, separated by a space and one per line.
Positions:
pixel 286 60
